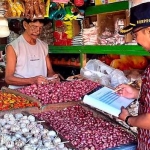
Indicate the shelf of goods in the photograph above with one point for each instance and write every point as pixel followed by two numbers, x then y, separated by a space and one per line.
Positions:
pixel 99 49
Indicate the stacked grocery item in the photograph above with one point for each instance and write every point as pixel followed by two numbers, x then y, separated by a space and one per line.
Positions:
pixel 27 8
pixel 90 35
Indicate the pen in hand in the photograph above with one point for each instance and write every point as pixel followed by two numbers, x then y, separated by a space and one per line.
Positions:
pixel 114 91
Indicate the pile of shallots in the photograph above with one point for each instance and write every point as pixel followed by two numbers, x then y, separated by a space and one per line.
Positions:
pixel 85 131
pixel 21 132
pixel 60 92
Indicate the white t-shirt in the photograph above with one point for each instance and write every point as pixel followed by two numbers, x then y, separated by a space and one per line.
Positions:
pixel 31 60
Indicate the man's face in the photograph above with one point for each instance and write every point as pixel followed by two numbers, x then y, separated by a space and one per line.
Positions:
pixel 34 29
pixel 142 37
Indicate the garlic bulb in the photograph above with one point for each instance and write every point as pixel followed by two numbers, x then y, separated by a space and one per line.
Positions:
pixel 19 143
pixel 24 118
pixel 11 117
pixel 42 148
pixel 27 135
pixel 61 145
pixel 14 138
pixel 15 128
pixel 2 122
pixel 4 138
pixel 57 140
pixel 9 144
pixel 29 147
pixel 15 148
pixel 11 122
pixel 6 116
pixel 23 125
pixel 52 133
pixel 25 130
pixel 65 148
pixel 23 139
pixel 35 130
pixel 48 144
pixel 39 126
pixel 40 143
pixel 18 135
pixel 31 118
pixel 38 136
pixel 18 116
pixel 5 131
pixel 3 148
pixel 7 126
pixel 45 131
pixel 26 121
pixel 45 137
pixel 33 141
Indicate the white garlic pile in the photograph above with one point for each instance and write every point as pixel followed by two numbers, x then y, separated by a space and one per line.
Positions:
pixel 21 132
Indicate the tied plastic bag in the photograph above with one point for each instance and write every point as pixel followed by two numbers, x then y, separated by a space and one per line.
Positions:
pixel 98 71
pixel 96 77
pixel 118 77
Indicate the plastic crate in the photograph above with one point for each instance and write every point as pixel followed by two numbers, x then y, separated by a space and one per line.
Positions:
pixel 132 146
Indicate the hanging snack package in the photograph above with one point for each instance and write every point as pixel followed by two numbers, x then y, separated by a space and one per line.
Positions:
pixel 47 8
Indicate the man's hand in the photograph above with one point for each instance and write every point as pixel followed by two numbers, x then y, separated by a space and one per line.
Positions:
pixel 124 113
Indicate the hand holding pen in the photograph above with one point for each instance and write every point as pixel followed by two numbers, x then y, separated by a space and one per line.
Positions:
pixel 118 88
pixel 128 91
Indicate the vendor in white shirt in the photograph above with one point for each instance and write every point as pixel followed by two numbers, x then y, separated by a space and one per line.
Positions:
pixel 27 59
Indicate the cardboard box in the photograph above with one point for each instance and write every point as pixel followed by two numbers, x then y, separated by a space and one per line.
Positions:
pixel 76 27
pixel 108 21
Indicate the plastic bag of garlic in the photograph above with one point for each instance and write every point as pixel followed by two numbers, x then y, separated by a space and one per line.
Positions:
pixel 22 132
pixel 98 71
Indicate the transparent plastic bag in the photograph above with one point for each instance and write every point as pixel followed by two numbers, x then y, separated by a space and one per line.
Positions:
pixel 96 77
pixel 97 65
pixel 98 71
pixel 118 77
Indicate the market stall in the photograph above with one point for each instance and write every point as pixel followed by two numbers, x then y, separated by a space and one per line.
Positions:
pixel 53 116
